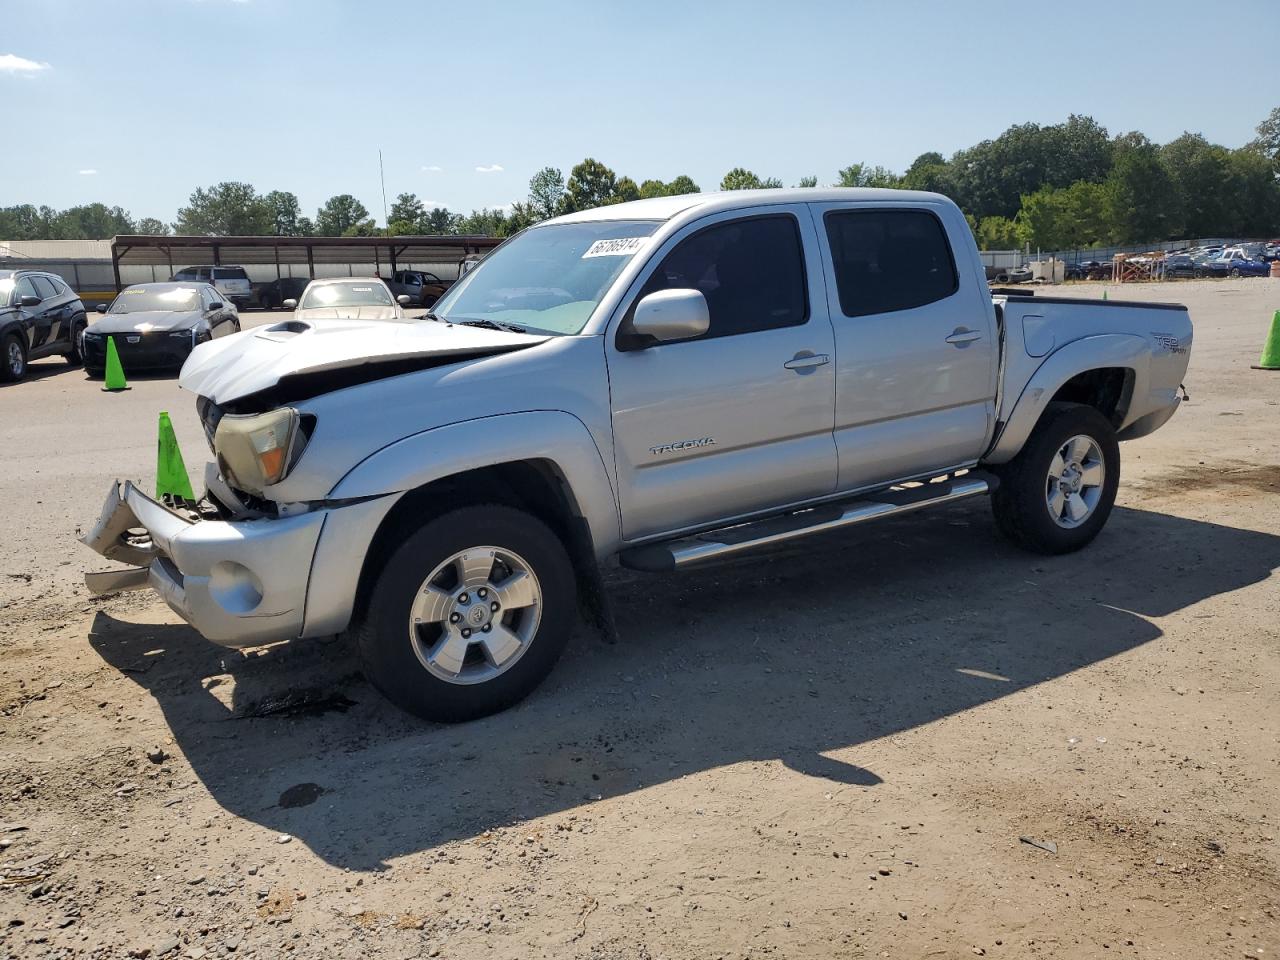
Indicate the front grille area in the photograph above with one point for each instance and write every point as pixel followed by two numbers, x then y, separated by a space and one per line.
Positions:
pixel 140 351
pixel 210 414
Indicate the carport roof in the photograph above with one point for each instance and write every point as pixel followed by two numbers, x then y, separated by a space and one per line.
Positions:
pixel 185 251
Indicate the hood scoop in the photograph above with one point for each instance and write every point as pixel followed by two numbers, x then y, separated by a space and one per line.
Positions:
pixel 284 330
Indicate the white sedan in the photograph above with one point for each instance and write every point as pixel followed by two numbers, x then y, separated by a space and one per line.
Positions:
pixel 350 298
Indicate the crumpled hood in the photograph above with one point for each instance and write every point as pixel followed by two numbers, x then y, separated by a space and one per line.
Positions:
pixel 362 312
pixel 144 321
pixel 352 351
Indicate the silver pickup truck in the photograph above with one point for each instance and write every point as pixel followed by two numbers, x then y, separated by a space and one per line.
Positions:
pixel 657 384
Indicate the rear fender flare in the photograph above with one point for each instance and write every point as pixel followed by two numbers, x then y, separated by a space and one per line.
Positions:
pixel 1088 353
pixel 551 435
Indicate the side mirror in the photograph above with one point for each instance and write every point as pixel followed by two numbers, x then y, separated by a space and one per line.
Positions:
pixel 671 315
pixel 290 304
pixel 101 308
pixel 217 305
pixel 30 301
pixel 403 300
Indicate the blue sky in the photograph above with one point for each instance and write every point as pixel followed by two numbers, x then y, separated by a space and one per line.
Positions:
pixel 137 102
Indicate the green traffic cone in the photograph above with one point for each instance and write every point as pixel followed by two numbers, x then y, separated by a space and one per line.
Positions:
pixel 114 380
pixel 1104 294
pixel 171 472
pixel 1270 359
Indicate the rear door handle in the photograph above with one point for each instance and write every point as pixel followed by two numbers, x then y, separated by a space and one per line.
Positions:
pixel 803 362
pixel 963 337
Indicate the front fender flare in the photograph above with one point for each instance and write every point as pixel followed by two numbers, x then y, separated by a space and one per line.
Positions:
pixel 1123 350
pixel 551 435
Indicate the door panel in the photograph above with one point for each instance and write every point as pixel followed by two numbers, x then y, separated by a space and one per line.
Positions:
pixel 915 382
pixel 720 426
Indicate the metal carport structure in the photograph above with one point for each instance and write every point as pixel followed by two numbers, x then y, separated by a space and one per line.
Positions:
pixel 179 252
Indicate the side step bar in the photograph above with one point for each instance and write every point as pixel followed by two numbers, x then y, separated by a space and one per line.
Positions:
pixel 714 544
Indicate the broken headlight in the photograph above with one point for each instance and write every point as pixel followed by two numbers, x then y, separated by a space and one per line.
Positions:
pixel 257 451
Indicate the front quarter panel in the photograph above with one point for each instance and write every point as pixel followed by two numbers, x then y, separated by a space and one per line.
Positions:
pixel 549 435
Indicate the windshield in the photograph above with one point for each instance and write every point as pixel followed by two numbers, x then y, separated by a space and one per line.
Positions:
pixel 345 295
pixel 548 279
pixel 172 299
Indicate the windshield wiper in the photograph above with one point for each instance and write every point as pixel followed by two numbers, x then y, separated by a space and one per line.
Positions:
pixel 490 325
pixel 434 316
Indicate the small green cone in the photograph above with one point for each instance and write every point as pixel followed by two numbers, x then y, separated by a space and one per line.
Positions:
pixel 1104 294
pixel 171 472
pixel 1270 359
pixel 114 380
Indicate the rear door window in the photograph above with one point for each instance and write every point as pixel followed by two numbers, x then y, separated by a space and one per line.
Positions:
pixel 751 272
pixel 889 260
pixel 229 273
pixel 44 289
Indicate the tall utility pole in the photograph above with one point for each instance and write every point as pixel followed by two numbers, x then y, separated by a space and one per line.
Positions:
pixel 383 177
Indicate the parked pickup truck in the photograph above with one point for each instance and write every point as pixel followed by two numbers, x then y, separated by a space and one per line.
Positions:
pixel 659 384
pixel 422 288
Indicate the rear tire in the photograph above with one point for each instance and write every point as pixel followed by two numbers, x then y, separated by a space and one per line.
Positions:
pixel 1048 501
pixel 74 356
pixel 429 611
pixel 13 359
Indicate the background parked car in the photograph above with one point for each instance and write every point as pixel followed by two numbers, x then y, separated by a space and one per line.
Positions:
pixel 352 298
pixel 157 325
pixel 39 316
pixel 230 281
pixel 1234 262
pixel 273 295
pixel 1179 265
pixel 422 288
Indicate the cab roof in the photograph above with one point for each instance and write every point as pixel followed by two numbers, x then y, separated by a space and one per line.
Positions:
pixel 664 208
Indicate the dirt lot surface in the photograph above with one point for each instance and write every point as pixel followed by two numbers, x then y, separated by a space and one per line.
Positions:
pixel 833 750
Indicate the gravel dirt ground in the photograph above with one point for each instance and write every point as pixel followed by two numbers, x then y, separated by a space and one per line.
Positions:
pixel 836 749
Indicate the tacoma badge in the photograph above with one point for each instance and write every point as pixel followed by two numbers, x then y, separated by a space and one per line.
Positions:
pixel 682 445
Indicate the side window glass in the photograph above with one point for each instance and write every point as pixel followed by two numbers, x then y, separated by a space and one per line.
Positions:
pixel 24 288
pixel 887 260
pixel 44 289
pixel 751 272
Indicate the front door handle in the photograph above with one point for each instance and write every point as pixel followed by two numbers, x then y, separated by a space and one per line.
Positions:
pixel 806 361
pixel 963 337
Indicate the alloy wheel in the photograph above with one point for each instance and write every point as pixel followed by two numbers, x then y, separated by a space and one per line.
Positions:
pixel 475 615
pixel 1073 486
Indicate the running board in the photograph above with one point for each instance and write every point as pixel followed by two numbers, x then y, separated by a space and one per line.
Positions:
pixel 890 502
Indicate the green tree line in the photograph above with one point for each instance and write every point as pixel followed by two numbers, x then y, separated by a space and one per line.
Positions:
pixel 1056 186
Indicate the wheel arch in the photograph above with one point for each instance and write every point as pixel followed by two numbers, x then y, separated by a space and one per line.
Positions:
pixel 542 462
pixel 1105 372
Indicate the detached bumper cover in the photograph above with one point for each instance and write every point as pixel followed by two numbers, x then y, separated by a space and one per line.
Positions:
pixel 239 583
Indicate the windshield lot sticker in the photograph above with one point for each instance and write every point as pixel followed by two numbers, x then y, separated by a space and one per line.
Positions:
pixel 622 247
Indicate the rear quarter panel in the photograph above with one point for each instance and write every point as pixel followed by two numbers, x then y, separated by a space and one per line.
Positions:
pixel 1048 341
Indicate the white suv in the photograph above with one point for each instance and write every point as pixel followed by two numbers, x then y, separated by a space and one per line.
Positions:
pixel 232 282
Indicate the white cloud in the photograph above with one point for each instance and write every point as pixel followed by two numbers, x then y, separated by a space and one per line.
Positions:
pixel 12 63
pixel 492 168
pixel 89 173
pixel 432 168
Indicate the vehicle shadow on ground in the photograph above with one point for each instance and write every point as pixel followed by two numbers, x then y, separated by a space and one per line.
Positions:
pixel 820 646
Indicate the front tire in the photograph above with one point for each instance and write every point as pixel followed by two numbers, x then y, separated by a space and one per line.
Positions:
pixel 13 358
pixel 468 614
pixel 1057 493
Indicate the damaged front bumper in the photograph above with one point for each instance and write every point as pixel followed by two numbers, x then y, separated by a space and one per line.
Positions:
pixel 240 583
